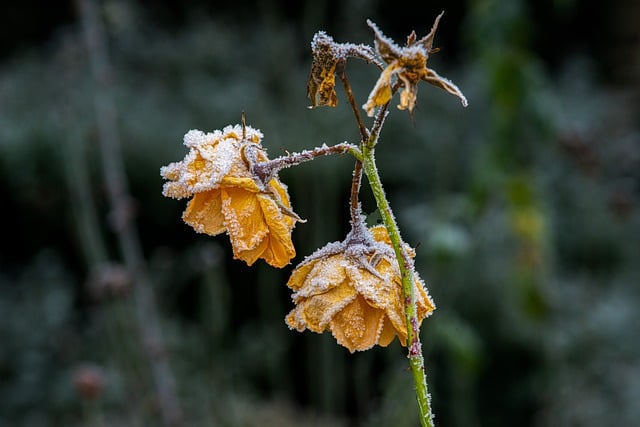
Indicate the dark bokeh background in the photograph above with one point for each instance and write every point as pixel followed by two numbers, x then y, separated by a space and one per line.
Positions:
pixel 524 208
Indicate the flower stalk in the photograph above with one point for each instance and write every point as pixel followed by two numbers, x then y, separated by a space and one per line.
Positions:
pixel 363 289
pixel 267 170
pixel 416 360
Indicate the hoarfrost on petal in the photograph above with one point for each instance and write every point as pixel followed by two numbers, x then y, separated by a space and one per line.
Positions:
pixel 325 274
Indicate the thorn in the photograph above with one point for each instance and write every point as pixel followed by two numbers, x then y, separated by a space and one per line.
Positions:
pixel 244 126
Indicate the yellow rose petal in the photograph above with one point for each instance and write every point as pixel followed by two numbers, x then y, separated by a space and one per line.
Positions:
pixel 280 248
pixel 357 326
pixel 243 218
pixel 204 214
pixel 387 334
pixel 317 312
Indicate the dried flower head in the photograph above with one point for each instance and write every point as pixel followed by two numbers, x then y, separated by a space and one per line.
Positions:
pixel 409 64
pixel 354 289
pixel 228 196
pixel 327 56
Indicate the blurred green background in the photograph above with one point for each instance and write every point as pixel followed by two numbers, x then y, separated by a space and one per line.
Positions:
pixel 524 208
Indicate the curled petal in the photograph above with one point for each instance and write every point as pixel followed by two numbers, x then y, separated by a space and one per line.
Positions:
pixel 322 276
pixel 316 313
pixel 433 78
pixel 321 84
pixel 381 92
pixel 385 47
pixel 243 218
pixel 409 95
pixel 279 249
pixel 204 213
pixel 427 41
pixel 387 334
pixel 358 325
pixel 321 88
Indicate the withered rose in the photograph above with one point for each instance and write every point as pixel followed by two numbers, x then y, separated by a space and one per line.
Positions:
pixel 409 64
pixel 353 289
pixel 228 197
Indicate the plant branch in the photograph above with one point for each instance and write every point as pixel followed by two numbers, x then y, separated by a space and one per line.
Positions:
pixel 364 132
pixel 416 360
pixel 354 202
pixel 269 169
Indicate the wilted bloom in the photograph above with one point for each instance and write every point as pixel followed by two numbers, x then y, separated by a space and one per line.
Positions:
pixel 409 64
pixel 327 55
pixel 354 289
pixel 229 197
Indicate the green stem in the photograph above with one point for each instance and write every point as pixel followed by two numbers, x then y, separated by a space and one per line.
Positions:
pixel 416 360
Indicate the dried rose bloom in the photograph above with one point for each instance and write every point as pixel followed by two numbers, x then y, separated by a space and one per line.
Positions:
pixel 228 197
pixel 354 289
pixel 327 55
pixel 409 64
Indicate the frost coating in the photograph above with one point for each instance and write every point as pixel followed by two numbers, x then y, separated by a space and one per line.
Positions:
pixel 327 55
pixel 409 65
pixel 228 197
pixel 353 288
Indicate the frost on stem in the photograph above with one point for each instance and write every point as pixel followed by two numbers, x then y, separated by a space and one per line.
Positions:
pixel 265 171
pixel 409 65
pixel 228 197
pixel 327 56
pixel 353 288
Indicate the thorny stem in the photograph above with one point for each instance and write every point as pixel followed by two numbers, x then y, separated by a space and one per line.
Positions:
pixel 416 360
pixel 364 132
pixel 267 170
pixel 367 161
pixel 354 203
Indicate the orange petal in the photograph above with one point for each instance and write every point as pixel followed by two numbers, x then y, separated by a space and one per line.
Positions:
pixel 432 77
pixel 240 182
pixel 294 321
pixel 357 326
pixel 278 253
pixel 280 190
pixel 326 273
pixel 279 249
pixel 204 213
pixel 424 303
pixel 252 255
pixel 299 275
pixel 387 334
pixel 243 219
pixel 316 312
pixel 377 290
pixel 381 92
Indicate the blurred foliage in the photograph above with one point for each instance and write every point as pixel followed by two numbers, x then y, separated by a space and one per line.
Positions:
pixel 524 209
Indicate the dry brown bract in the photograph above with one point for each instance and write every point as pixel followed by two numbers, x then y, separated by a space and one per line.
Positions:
pixel 409 64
